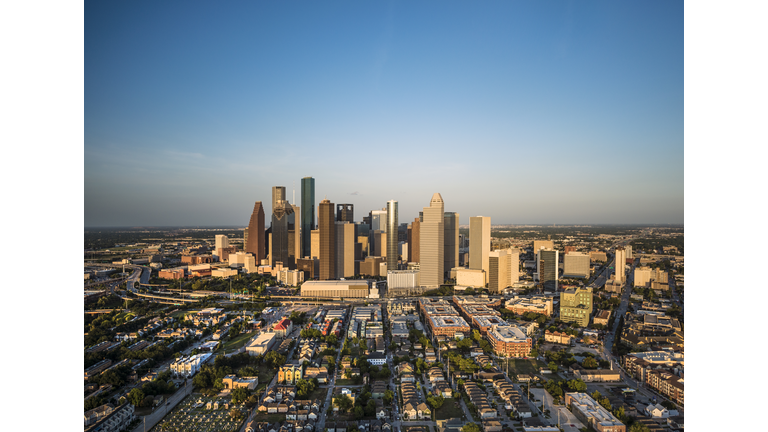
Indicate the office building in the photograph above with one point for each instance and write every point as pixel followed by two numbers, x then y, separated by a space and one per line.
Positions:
pixel 432 243
pixel 514 265
pixel 327 223
pixel 392 235
pixel 371 266
pixel 345 249
pixel 345 213
pixel 509 341
pixel 480 243
pixel 256 244
pixel 294 236
pixel 307 215
pixel 473 278
pixel 498 273
pixel 379 246
pixel 451 254
pixel 576 265
pixel 618 265
pixel 403 283
pixel 542 244
pixel 414 241
pixel 592 414
pixel 279 245
pixel 576 306
pixel 547 268
pixel 628 250
pixel 221 242
pixel 335 289
pixel 315 251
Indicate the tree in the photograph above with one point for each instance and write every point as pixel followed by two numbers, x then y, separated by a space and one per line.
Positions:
pixel 359 412
pixel 435 402
pixel 389 395
pixel 553 367
pixel 343 402
pixel 470 427
pixel 589 363
pixel 136 397
pixel 638 427
pixel 240 394
pixel 235 413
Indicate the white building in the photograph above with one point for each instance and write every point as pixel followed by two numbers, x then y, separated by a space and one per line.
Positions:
pixel 576 265
pixel 189 366
pixel 262 344
pixel 402 279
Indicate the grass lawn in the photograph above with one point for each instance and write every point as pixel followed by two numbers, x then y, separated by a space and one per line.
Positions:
pixel 181 313
pixel 237 342
pixel 523 366
pixel 343 382
pixel 319 393
pixel 450 409
pixel 265 376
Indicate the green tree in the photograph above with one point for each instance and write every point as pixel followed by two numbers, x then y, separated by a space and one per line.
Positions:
pixel 343 403
pixel 553 367
pixel 389 395
pixel 589 363
pixel 638 427
pixel 470 427
pixel 136 397
pixel 240 394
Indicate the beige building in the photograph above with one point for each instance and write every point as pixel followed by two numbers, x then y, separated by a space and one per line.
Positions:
pixel 223 272
pixel 498 275
pixel 345 250
pixel 642 276
pixel 315 243
pixel 514 265
pixel 470 277
pixel 618 265
pixel 576 306
pixel 335 289
pixel 432 243
pixel 480 244
pixel 576 265
pixel 545 244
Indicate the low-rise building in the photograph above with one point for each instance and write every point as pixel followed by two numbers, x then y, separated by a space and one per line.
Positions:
pixel 509 341
pixel 592 414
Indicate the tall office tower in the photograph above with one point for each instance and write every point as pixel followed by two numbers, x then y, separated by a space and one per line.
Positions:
pixel 307 215
pixel 379 243
pixel 221 242
pixel 628 250
pixel 498 274
pixel 432 243
pixel 280 220
pixel 451 242
pixel 618 265
pixel 345 213
pixel 245 237
pixel 393 227
pixel 315 252
pixel 514 265
pixel 414 254
pixel 278 194
pixel 480 243
pixel 378 223
pixel 327 224
pixel 547 268
pixel 256 244
pixel 294 235
pixel 345 249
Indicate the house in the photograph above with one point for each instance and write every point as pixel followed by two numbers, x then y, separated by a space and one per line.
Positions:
pixel 659 412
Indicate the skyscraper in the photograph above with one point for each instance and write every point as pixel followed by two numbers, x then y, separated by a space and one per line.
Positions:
pixel 547 268
pixel 256 243
pixel 618 265
pixel 327 223
pixel 279 245
pixel 345 213
pixel 278 194
pixel 432 243
pixel 480 243
pixel 498 271
pixel 414 255
pixel 451 242
pixel 307 214
pixel 345 249
pixel 392 235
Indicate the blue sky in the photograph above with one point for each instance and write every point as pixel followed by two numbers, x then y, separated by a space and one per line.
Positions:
pixel 528 112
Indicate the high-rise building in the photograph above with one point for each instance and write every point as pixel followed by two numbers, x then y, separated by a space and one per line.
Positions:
pixel 576 265
pixel 392 238
pixel 221 242
pixel 432 243
pixel 514 266
pixel 345 213
pixel 345 249
pixel 576 305
pixel 618 265
pixel 498 274
pixel 480 243
pixel 628 249
pixel 414 241
pixel 307 214
pixel 281 212
pixel 256 244
pixel 315 251
pixel 327 223
pixel 379 243
pixel 451 242
pixel 294 235
pixel 547 268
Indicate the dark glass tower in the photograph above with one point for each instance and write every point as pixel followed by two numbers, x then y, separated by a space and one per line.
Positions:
pixel 307 214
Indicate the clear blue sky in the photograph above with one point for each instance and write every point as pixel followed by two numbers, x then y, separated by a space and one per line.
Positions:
pixel 528 112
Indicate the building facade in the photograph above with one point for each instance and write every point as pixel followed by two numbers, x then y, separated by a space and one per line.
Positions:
pixel 576 265
pixel 451 254
pixel 576 306
pixel 432 243
pixel 547 268
pixel 307 214
pixel 392 230
pixel 327 223
pixel 256 243
pixel 480 244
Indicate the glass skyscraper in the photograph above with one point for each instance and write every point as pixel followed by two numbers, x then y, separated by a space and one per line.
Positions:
pixel 307 214
pixel 392 240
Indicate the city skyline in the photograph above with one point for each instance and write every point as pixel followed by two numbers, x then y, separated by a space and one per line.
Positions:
pixel 527 113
